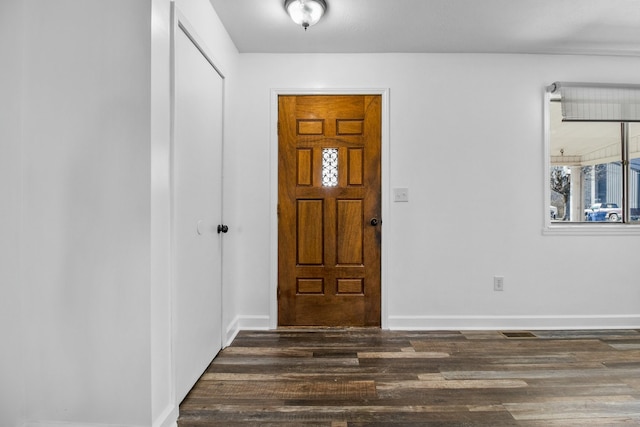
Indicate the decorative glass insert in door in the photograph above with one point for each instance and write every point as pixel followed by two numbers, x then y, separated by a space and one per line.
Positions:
pixel 329 167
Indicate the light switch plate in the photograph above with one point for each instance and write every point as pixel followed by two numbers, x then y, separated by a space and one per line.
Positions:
pixel 400 194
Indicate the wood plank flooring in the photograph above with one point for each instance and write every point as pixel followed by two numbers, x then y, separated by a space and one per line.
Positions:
pixel 371 377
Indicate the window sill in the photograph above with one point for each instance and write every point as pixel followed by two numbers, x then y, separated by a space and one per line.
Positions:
pixel 585 229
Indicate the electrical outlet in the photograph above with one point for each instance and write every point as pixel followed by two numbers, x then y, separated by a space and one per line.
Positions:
pixel 498 283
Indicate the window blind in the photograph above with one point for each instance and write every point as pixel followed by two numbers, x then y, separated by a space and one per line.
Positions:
pixel 598 102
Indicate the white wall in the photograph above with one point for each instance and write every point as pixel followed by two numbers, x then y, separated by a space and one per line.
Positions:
pixel 466 137
pixel 85 231
pixel 85 219
pixel 11 330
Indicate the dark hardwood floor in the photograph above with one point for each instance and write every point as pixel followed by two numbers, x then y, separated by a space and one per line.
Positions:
pixel 371 377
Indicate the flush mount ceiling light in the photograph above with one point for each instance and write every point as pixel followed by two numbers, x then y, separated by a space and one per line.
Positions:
pixel 305 12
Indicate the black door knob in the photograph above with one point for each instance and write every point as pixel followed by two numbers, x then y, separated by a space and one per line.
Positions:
pixel 375 221
pixel 222 228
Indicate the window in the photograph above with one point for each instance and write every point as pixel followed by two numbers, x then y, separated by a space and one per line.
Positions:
pixel 329 167
pixel 594 154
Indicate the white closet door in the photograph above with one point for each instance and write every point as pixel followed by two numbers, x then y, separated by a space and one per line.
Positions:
pixel 197 209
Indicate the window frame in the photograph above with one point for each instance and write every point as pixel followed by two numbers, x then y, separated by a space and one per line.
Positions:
pixel 573 228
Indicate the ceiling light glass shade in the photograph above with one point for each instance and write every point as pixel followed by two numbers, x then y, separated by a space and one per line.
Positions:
pixel 305 12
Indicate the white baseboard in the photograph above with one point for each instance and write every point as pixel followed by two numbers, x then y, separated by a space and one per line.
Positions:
pixel 513 322
pixel 255 323
pixel 168 418
pixel 70 424
pixel 427 323
pixel 232 331
pixel 246 323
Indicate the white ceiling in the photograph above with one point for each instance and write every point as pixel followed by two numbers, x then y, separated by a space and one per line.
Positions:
pixel 602 27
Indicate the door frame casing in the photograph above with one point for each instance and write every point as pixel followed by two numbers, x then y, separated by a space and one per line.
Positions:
pixel 273 190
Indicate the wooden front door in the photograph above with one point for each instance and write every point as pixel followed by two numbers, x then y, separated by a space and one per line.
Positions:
pixel 329 226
